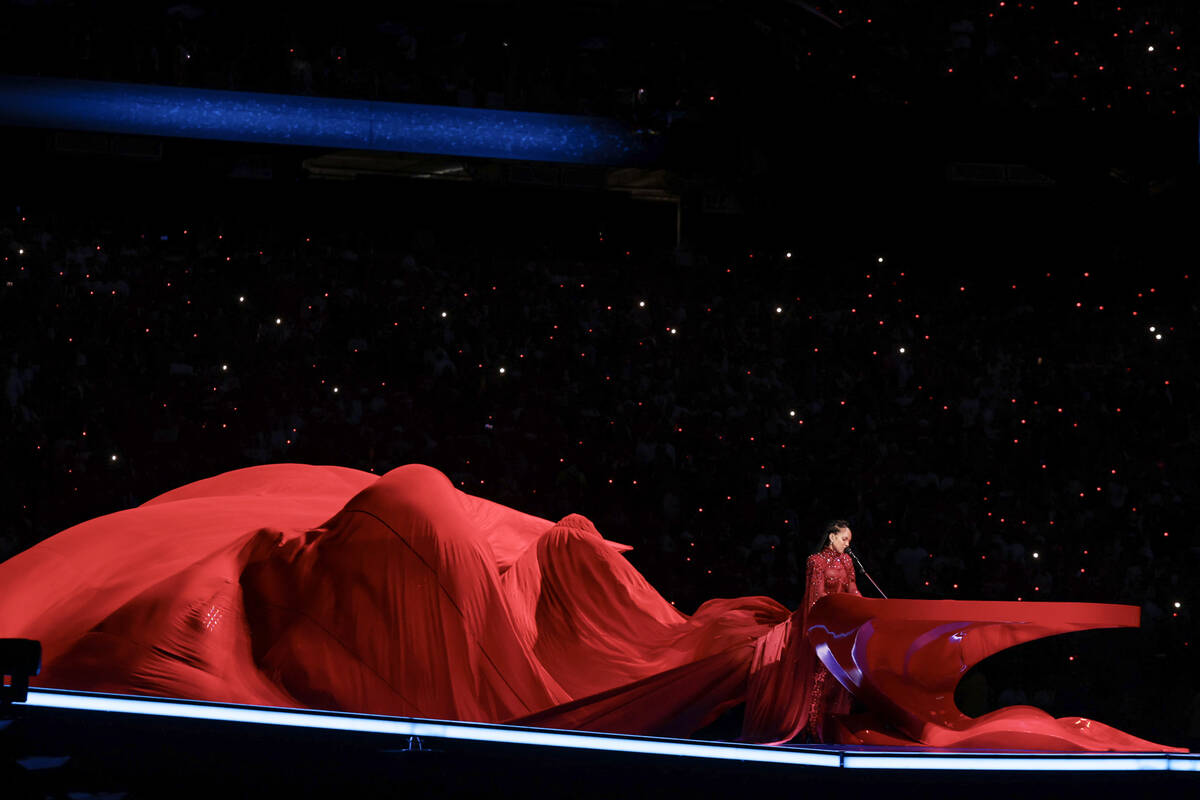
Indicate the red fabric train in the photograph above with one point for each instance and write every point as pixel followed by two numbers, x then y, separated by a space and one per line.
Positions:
pixel 324 587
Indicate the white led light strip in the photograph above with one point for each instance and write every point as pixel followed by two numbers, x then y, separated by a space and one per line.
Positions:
pixel 466 731
pixel 1048 763
pixel 434 730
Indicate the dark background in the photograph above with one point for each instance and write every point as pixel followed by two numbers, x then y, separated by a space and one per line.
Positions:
pixel 1032 235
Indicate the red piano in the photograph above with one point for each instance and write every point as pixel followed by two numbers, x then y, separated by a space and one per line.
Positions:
pixel 904 658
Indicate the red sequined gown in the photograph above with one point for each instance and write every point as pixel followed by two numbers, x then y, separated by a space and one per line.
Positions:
pixel 828 572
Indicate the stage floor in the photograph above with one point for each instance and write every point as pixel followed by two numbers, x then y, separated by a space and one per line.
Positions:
pixel 61 742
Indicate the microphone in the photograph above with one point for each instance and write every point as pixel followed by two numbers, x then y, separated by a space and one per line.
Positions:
pixel 864 572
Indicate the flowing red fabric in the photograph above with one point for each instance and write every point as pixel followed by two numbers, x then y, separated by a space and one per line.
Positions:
pixel 323 587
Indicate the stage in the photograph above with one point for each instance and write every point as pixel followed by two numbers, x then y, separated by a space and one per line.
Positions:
pixel 59 743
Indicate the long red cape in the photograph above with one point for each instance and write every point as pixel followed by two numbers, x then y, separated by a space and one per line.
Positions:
pixel 325 587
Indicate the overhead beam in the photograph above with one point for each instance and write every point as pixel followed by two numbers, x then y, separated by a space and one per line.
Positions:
pixel 318 121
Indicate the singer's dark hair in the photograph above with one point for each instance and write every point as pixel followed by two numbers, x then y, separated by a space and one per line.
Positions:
pixel 833 526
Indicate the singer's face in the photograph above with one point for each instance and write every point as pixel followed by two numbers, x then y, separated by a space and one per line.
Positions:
pixel 841 540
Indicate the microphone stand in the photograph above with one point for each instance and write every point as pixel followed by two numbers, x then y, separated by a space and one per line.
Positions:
pixel 864 572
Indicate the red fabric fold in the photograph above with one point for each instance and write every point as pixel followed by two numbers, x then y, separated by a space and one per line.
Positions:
pixel 328 588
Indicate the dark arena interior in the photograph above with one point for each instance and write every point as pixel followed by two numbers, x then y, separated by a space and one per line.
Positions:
pixel 921 266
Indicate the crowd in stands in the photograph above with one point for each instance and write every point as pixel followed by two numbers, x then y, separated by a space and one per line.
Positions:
pixel 1024 434
pixel 652 64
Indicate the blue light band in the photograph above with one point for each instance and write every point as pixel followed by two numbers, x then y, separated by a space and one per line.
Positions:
pixel 317 121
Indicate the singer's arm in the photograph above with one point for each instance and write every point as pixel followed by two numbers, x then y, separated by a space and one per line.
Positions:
pixel 815 582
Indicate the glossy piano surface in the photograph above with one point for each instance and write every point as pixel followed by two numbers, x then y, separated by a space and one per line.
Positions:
pixel 904 658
